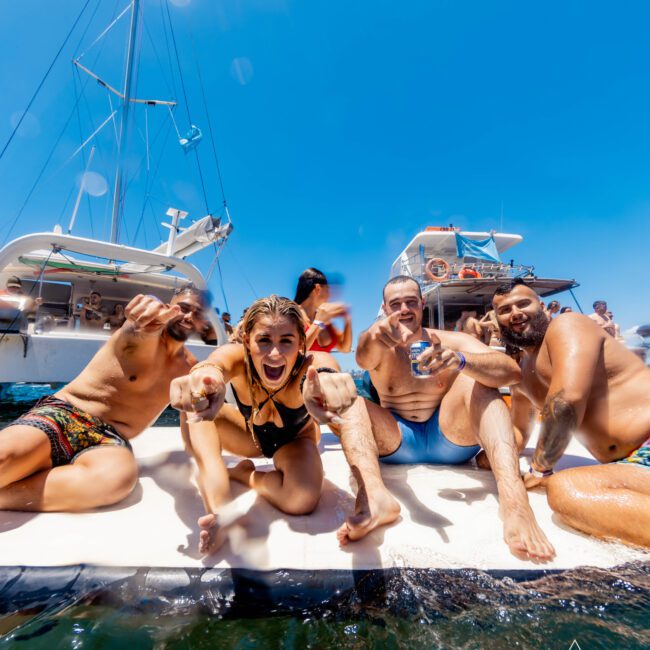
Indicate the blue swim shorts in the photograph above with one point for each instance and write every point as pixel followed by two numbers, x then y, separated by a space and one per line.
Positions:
pixel 424 442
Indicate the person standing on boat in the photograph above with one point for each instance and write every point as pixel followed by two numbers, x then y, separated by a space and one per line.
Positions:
pixel 93 314
pixel 312 294
pixel 269 373
pixel 443 416
pixel 469 324
pixel 601 318
pixel 584 383
pixel 48 457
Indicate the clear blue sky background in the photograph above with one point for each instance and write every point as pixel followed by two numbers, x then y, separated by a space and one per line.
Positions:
pixel 343 128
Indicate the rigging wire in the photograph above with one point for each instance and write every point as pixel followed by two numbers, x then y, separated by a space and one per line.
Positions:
pixel 40 85
pixel 209 121
pixel 187 106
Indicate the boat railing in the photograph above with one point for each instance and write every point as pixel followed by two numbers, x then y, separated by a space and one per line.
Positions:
pixel 415 267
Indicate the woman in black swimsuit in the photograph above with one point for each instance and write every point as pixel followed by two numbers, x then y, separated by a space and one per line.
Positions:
pixel 265 373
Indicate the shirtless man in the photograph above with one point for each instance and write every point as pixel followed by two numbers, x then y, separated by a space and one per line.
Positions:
pixel 585 384
pixel 43 461
pixel 443 418
pixel 469 324
pixel 601 318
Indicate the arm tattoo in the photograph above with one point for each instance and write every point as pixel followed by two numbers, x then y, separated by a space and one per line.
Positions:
pixel 558 421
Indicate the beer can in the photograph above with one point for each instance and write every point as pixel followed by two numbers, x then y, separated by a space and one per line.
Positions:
pixel 416 350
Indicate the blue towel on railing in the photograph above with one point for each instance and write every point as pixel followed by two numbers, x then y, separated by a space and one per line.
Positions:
pixel 482 249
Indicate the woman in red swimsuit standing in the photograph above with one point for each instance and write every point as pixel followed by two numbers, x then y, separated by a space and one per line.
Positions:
pixel 312 294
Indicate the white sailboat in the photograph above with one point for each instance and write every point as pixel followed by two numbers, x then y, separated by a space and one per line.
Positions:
pixel 61 269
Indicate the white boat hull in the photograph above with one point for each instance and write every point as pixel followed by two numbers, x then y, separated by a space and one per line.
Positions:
pixel 56 356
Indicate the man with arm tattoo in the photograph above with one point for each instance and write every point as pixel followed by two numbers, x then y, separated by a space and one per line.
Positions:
pixel 443 417
pixel 584 383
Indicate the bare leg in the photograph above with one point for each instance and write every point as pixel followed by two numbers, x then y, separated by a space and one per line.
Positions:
pixel 471 407
pixel 24 450
pixel 203 440
pixel 99 477
pixel 607 501
pixel 295 485
pixel 366 431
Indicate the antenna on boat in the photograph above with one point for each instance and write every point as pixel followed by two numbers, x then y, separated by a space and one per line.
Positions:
pixel 126 105
pixel 176 216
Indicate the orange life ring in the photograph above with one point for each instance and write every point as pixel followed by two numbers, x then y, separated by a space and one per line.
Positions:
pixel 437 261
pixel 466 272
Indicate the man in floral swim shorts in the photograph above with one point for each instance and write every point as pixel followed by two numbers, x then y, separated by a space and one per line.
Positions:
pixel 584 383
pixel 48 457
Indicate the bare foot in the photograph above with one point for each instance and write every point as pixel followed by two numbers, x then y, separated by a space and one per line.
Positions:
pixel 242 471
pixel 369 513
pixel 525 538
pixel 482 460
pixel 211 536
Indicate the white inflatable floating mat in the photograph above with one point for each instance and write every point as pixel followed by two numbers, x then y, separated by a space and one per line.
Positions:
pixel 450 524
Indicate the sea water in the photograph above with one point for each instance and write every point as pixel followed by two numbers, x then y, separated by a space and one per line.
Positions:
pixel 584 608
pixel 580 609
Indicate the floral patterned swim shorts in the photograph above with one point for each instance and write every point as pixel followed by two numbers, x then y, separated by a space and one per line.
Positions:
pixel 70 430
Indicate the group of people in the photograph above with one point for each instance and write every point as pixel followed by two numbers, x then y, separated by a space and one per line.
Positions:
pixel 570 373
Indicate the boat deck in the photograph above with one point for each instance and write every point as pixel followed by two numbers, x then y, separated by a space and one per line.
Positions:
pixel 449 520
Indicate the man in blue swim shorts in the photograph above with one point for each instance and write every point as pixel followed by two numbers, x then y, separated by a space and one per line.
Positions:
pixel 445 417
pixel 584 383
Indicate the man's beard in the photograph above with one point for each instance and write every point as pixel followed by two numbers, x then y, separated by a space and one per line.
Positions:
pixel 178 333
pixel 539 324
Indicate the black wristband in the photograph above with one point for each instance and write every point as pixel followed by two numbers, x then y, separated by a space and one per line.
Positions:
pixel 319 370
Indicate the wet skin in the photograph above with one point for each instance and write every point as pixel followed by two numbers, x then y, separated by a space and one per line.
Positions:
pixel 585 383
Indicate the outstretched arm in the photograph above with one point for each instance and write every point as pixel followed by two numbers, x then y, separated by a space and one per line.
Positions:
pixel 575 348
pixel 146 317
pixel 458 351
pixel 383 335
pixel 203 392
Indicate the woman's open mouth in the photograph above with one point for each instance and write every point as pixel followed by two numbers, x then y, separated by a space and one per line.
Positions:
pixel 273 373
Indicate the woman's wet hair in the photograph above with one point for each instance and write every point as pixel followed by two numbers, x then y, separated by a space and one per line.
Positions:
pixel 306 282
pixel 274 307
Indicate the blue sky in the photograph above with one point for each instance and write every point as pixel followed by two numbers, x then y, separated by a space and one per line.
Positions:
pixel 343 128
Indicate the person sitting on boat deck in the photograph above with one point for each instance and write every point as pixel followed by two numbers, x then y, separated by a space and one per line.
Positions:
pixel 117 318
pixel 443 416
pixel 48 460
pixel 15 305
pixel 584 383
pixel 93 314
pixel 601 318
pixel 312 294
pixel 269 373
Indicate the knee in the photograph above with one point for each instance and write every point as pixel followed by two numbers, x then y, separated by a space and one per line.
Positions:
pixel 559 492
pixel 108 492
pixel 7 458
pixel 302 502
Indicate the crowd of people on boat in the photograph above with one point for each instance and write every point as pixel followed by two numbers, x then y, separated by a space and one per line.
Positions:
pixel 433 399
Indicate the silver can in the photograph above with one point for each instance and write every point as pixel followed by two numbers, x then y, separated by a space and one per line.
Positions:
pixel 416 350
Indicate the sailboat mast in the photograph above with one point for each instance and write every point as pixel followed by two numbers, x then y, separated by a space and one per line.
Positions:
pixel 124 121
